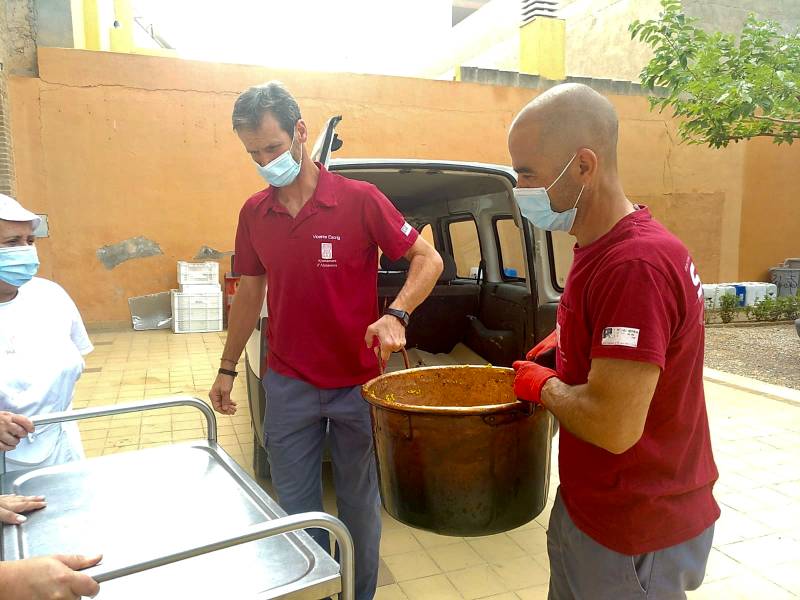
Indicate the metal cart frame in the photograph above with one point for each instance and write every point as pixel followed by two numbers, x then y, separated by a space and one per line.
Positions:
pixel 282 525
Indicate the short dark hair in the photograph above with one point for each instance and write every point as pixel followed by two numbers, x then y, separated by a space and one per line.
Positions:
pixel 270 97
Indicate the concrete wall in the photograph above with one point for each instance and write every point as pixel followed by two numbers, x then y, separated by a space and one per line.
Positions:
pixel 599 45
pixel 729 15
pixel 18 36
pixel 133 149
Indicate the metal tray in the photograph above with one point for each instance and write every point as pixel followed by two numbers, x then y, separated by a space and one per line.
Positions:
pixel 179 521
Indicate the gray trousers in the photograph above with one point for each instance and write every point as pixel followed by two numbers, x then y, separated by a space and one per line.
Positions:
pixel 582 569
pixel 295 429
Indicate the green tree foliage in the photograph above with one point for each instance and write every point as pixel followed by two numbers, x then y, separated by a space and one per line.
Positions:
pixel 724 88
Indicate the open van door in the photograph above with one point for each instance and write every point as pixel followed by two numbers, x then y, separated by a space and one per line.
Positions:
pixel 327 143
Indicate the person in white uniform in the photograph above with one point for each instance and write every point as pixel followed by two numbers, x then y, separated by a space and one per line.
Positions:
pixel 42 345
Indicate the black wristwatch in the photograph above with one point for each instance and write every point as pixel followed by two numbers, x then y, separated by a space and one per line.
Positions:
pixel 402 315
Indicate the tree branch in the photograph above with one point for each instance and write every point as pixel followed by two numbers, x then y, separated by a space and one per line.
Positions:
pixel 777 120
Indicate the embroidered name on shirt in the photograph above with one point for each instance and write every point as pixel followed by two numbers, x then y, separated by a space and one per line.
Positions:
pixel 620 336
pixel 406 229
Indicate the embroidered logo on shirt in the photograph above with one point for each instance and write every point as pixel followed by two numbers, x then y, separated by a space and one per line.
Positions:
pixel 327 250
pixel 406 229
pixel 620 336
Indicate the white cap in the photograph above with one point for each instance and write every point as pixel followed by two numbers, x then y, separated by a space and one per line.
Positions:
pixel 11 210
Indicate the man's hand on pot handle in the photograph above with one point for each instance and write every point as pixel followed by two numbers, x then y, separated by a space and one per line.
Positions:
pixel 390 334
pixel 530 380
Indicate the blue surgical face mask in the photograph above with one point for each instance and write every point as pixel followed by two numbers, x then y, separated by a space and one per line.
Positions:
pixel 283 170
pixel 534 204
pixel 18 264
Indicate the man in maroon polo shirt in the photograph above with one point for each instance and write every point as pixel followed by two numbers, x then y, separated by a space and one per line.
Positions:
pixel 634 515
pixel 311 239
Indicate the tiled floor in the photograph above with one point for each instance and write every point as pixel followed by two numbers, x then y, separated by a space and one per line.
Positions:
pixel 756 551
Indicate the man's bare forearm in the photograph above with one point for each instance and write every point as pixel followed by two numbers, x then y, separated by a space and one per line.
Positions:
pixel 243 317
pixel 423 272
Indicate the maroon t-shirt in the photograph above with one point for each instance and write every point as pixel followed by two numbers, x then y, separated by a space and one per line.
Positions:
pixel 321 269
pixel 634 294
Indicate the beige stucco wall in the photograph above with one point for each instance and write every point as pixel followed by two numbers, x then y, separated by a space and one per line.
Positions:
pixel 114 146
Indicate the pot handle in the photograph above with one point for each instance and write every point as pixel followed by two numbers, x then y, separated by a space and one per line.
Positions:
pixel 380 360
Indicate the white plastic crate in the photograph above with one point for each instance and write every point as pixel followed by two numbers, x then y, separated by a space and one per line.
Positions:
pixel 196 313
pixel 200 288
pixel 713 293
pixel 198 272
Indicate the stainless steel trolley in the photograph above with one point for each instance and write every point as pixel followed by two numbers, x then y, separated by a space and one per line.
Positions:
pixel 178 521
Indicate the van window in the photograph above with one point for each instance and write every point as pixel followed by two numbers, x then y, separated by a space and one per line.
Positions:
pixel 561 244
pixel 510 247
pixel 466 247
pixel 426 233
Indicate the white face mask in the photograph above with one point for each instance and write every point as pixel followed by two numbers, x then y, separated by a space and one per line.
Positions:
pixel 535 205
pixel 18 264
pixel 283 170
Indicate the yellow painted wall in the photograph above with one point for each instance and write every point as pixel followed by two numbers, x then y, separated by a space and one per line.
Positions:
pixel 771 208
pixel 541 48
pixel 113 146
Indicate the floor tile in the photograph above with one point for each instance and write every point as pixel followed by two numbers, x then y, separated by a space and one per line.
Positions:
pixel 533 541
pixel 745 586
pixel 477 582
pixel 521 573
pixel 432 540
pixel 390 592
pixel 411 565
pixel 497 548
pixel 430 588
pixel 721 566
pixel 455 556
pixel 398 541
pixel 537 592
pixel 786 575
pixel 385 576
pixel 765 551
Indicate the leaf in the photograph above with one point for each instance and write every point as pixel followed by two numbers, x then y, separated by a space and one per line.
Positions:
pixel 717 81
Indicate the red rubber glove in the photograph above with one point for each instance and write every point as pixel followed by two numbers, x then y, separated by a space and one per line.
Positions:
pixel 530 380
pixel 546 344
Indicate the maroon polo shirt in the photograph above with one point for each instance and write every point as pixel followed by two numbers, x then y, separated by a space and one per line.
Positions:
pixel 634 294
pixel 321 269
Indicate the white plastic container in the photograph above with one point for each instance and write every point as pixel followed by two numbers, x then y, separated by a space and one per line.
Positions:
pixel 755 291
pixel 713 293
pixel 198 272
pixel 196 313
pixel 200 288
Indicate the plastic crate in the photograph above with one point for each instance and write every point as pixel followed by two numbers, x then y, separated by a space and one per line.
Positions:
pixel 196 313
pixel 200 288
pixel 713 293
pixel 198 272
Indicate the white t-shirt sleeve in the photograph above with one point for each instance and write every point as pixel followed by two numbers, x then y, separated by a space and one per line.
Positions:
pixel 78 334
